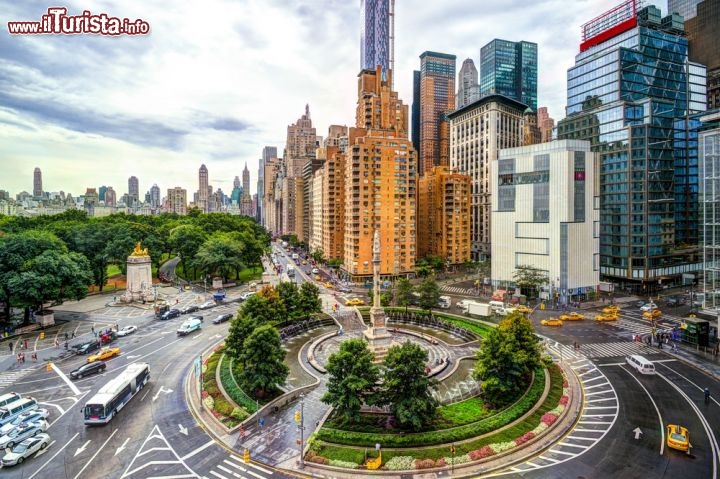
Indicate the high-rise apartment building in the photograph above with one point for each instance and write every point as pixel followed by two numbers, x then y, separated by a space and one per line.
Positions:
pixel 176 200
pixel 133 191
pixel 380 182
pixel 236 181
pixel 375 46
pixel 630 86
pixel 510 69
pixel 203 194
pixel 110 196
pixel 443 216
pixel 477 134
pixel 546 124
pixel 37 183
pixel 468 87
pixel 268 153
pixel 702 31
pixel 437 98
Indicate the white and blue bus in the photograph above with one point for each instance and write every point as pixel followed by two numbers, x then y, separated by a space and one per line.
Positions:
pixel 112 397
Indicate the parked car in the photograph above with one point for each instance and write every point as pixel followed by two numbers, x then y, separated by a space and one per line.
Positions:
pixel 244 296
pixel 22 432
pixel 315 271
pixel 189 309
pixel 222 318
pixel 127 330
pixel 170 314
pixel 28 416
pixel 25 450
pixel 104 353
pixel 208 305
pixel 87 347
pixel 88 369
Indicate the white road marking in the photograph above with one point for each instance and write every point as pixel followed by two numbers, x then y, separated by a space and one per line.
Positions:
pixel 96 453
pixel 198 450
pixel 54 456
pixel 657 410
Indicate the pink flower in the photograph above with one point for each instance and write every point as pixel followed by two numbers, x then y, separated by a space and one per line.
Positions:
pixel 524 438
pixel 549 418
pixel 483 452
pixel 565 383
pixel 564 400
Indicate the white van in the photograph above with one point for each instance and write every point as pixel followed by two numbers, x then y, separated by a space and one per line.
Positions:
pixel 13 410
pixel 9 398
pixel 496 306
pixel 641 364
pixel 444 302
pixel 189 326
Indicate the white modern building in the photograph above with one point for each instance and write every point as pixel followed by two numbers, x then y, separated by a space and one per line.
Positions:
pixel 709 161
pixel 544 215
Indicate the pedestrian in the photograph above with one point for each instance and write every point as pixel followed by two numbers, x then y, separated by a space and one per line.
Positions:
pixel 34 356
pixel 57 343
pixel 17 357
pixel 22 358
pixel 25 344
pixel 73 334
pixel 707 395
pixel 10 346
pixel 92 328
pixel 674 346
pixel 66 336
pixel 117 328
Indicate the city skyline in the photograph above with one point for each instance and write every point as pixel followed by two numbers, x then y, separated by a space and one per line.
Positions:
pixel 91 111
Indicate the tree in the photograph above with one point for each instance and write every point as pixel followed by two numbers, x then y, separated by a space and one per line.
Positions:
pixel 429 292
pixel 423 268
pixel 386 298
pixel 318 255
pixel 309 299
pixel 220 255
pixel 407 389
pixel 509 355
pixel 240 329
pixel 289 296
pixel 261 360
pixel 264 308
pixel 186 241
pixel 403 291
pixel 352 379
pixel 530 278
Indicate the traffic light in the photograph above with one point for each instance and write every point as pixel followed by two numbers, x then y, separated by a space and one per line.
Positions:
pixel 246 455
pixel 297 417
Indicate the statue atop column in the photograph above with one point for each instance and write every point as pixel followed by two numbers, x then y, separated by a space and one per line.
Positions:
pixel 377 334
pixel 139 277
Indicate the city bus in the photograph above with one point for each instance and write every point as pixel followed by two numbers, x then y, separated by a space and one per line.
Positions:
pixel 112 397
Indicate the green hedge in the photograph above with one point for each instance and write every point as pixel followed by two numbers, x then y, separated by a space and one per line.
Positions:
pixel 231 387
pixel 442 436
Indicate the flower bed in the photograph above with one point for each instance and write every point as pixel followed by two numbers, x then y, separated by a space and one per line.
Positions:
pixel 213 399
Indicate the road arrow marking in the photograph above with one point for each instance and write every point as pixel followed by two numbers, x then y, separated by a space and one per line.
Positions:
pixel 183 430
pixel 637 432
pixel 133 356
pixel 81 449
pixel 43 451
pixel 161 390
pixel 217 336
pixel 119 449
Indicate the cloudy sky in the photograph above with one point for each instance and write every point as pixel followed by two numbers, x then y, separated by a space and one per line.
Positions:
pixel 217 80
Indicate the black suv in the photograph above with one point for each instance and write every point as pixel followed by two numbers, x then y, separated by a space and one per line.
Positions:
pixel 222 318
pixel 86 348
pixel 88 369
pixel 171 313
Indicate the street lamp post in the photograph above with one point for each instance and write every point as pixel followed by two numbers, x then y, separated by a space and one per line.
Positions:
pixel 302 427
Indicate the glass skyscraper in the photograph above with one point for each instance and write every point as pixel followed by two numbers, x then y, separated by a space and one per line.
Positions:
pixel 631 93
pixel 510 69
pixel 374 34
pixel 686 8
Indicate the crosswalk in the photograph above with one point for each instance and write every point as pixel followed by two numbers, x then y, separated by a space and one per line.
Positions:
pixel 460 291
pixel 620 348
pixel 8 378
pixel 235 468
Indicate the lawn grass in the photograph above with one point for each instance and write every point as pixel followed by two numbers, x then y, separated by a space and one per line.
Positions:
pixel 113 270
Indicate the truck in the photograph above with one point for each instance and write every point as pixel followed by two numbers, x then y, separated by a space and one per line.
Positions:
pixel 478 309
pixel 189 326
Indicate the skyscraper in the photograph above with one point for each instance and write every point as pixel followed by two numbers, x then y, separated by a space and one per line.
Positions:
pixel 101 192
pixel 375 34
pixel 702 31
pixel 37 183
pixel 686 8
pixel 510 69
pixel 246 181
pixel 437 97
pixel 628 88
pixel 468 88
pixel 133 191
pixel 415 113
pixel 202 196
pixel 546 124
pixel 154 196
pixel 236 182
pixel 110 196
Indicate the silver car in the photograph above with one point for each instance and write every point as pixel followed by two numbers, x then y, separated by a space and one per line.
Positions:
pixel 28 416
pixel 22 432
pixel 25 449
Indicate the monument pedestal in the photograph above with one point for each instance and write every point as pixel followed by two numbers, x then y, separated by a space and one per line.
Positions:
pixel 139 277
pixel 378 337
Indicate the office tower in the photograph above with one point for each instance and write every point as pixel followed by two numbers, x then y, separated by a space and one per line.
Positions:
pixel 468 88
pixel 627 90
pixel 246 181
pixel 546 124
pixel 437 97
pixel 133 191
pixel 203 196
pixel 510 69
pixel 702 31
pixel 477 133
pixel 543 215
pixel 380 182
pixel 299 149
pixel 236 181
pixel 37 183
pixel 709 163
pixel 154 196
pixel 443 216
pixel 101 192
pixel 177 200
pixel 269 152
pixel 110 196
pixel 686 8
pixel 415 116
pixel 375 34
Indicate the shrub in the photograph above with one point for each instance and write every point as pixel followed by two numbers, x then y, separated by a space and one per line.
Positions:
pixel 482 453
pixel 318 459
pixel 565 383
pixel 502 446
pixel 524 438
pixel 400 463
pixel 223 406
pixel 345 464
pixel 424 463
pixel 209 402
pixel 441 462
pixel 213 390
pixel 540 428
pixel 239 413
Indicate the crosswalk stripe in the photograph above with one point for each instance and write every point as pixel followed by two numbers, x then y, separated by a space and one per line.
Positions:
pixel 12 376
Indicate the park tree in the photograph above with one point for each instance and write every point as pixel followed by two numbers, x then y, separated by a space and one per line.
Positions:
pixel 263 369
pixel 509 355
pixel 91 239
pixel 219 255
pixel 309 299
pixel 186 241
pixel 407 389
pixel 429 292
pixel 423 268
pixel 264 308
pixel 240 329
pixel 352 379
pixel 530 279
pixel 403 292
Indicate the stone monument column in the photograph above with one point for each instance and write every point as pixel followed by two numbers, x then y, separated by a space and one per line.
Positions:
pixel 139 276
pixel 377 334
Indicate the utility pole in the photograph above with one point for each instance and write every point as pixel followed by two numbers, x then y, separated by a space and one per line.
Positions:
pixel 300 420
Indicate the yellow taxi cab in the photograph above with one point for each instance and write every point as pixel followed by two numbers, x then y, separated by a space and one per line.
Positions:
pixel 655 313
pixel 304 262
pixel 678 437
pixel 523 310
pixel 354 302
pixel 104 353
pixel 606 317
pixel 551 322
pixel 328 285
pixel 574 316
pixel 318 277
pixel 611 310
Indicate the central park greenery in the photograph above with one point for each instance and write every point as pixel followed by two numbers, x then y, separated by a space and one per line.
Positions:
pixel 48 259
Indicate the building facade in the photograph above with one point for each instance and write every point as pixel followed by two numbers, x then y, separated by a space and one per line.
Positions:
pixel 546 124
pixel 375 34
pixel 631 82
pixel 176 201
pixel 702 30
pixel 510 69
pixel 468 87
pixel 477 133
pixel 443 216
pixel 380 182
pixel 133 191
pixel 110 197
pixel 544 216
pixel 709 152
pixel 437 98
